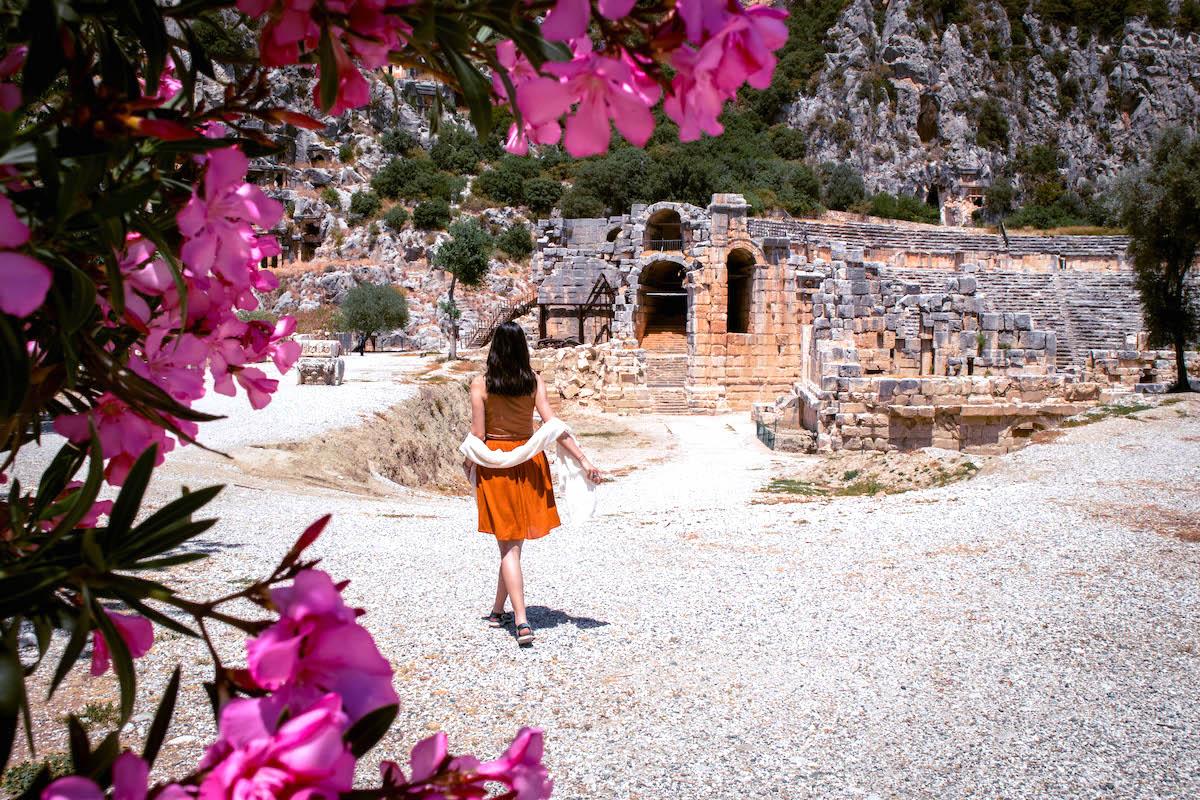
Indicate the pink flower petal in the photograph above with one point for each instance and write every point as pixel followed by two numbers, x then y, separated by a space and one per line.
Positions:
pixel 72 787
pixel 427 757
pixel 567 20
pixel 24 282
pixel 616 9
pixel 588 131
pixel 13 232
pixel 129 775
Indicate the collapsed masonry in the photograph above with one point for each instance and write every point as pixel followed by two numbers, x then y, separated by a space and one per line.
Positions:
pixel 844 336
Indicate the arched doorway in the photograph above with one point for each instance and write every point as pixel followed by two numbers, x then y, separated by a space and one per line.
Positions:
pixel 664 231
pixel 739 267
pixel 662 307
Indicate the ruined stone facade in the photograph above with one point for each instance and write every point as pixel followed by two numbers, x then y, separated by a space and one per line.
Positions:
pixel 864 336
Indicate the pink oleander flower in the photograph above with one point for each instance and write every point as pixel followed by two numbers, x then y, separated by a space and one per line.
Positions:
pixel 606 90
pixel 135 631
pixel 124 434
pixel 173 362
pixel 352 88
pixel 747 43
pixel 24 281
pixel 569 18
pixel 521 767
pixel 437 776
pixel 695 102
pixel 217 231
pixel 702 17
pixel 290 23
pixel 130 775
pixel 318 647
pixel 90 519
pixel 256 757
pixel 11 64
pixel 541 100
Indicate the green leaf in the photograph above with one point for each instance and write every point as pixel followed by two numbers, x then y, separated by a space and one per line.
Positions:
pixel 83 499
pixel 329 71
pixel 54 480
pixel 156 616
pixel 172 514
pixel 162 719
pixel 126 506
pixel 475 88
pixel 122 662
pixel 81 748
pixel 12 690
pixel 366 733
pixel 79 631
pixel 14 366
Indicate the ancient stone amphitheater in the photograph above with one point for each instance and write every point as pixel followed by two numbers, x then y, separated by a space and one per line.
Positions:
pixel 839 334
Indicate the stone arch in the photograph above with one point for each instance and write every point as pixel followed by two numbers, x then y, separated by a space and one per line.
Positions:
pixel 739 289
pixel 664 230
pixel 660 319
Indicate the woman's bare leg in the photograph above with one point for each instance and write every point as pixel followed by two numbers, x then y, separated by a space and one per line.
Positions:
pixel 501 591
pixel 510 575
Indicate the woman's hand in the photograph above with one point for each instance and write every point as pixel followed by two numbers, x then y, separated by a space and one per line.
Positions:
pixel 589 469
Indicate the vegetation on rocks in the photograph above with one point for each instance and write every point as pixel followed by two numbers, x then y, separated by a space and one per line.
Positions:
pixel 466 256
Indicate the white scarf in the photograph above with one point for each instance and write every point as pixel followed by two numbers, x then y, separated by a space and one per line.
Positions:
pixel 578 501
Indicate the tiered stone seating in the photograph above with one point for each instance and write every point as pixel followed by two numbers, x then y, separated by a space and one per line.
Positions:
pixel 1085 310
pixel 1104 309
pixel 937 240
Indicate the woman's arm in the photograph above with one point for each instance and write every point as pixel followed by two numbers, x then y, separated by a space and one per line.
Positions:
pixel 478 393
pixel 542 403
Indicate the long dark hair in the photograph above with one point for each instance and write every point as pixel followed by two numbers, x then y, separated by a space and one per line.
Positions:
pixel 508 368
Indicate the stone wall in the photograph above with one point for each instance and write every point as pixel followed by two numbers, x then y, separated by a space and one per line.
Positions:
pixel 1141 369
pixel 607 377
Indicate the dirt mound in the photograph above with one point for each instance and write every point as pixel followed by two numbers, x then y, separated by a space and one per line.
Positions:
pixel 855 474
pixel 413 444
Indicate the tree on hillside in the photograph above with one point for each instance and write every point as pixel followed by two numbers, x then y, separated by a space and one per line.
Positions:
pixel 465 256
pixel 369 309
pixel 1160 206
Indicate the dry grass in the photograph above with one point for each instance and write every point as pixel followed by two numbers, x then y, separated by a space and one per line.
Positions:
pixel 413 444
pixel 1156 519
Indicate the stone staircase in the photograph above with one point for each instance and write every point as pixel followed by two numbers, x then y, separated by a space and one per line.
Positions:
pixel 666 377
pixel 665 340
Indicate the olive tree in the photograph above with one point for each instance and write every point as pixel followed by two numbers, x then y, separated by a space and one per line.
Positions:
pixel 369 309
pixel 1160 206
pixel 465 256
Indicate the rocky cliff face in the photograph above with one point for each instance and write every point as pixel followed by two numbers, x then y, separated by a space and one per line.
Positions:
pixel 904 98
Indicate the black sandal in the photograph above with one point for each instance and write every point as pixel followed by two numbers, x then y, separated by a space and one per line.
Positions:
pixel 526 637
pixel 498 619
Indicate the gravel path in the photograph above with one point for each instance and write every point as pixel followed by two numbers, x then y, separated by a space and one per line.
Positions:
pixel 1030 633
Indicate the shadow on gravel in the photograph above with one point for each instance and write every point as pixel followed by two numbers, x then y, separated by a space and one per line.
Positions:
pixel 209 546
pixel 541 618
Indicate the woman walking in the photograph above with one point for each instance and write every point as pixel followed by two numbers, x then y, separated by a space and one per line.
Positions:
pixel 515 501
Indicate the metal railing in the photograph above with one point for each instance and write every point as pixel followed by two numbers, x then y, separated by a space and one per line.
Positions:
pixel 664 244
pixel 766 433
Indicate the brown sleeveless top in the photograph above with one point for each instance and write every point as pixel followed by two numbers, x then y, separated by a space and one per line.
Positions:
pixel 508 417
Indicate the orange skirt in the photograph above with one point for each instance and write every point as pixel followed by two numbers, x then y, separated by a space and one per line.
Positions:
pixel 516 503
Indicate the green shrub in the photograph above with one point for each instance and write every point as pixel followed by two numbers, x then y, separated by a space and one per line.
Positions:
pixel 1189 17
pixel 841 186
pixel 364 205
pixel 788 143
pixel 432 215
pixel 346 153
pixel 905 207
pixel 580 205
pixel 992 130
pixel 258 314
pixel 541 194
pixel 457 150
pixel 395 217
pixel 505 183
pixel 618 180
pixel 332 198
pixel 516 242
pixel 416 179
pixel 397 141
